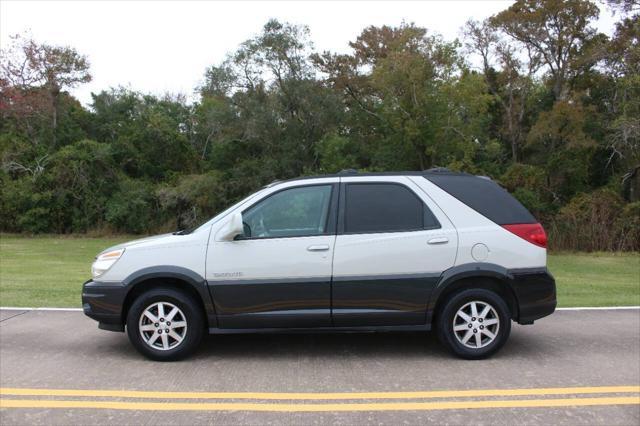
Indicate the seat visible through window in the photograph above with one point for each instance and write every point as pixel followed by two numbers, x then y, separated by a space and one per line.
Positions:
pixel 293 212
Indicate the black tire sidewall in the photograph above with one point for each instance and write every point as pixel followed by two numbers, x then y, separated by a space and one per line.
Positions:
pixel 445 323
pixel 190 308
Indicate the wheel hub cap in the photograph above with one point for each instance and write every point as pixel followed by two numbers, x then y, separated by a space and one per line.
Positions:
pixel 476 324
pixel 163 326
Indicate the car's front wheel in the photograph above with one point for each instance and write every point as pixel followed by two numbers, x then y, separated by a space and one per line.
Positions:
pixel 474 323
pixel 165 324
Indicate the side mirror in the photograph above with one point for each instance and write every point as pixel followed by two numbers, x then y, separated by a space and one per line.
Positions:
pixel 232 228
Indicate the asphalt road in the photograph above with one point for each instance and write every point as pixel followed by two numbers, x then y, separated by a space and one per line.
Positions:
pixel 68 372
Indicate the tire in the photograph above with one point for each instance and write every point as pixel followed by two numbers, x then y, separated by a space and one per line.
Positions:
pixel 461 305
pixel 150 337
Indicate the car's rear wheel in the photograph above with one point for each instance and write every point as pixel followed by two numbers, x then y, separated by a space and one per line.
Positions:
pixel 474 323
pixel 165 324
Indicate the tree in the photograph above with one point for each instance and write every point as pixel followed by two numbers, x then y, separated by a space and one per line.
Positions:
pixel 400 86
pixel 623 102
pixel 510 78
pixel 559 141
pixel 31 67
pixel 151 137
pixel 558 33
pixel 625 6
pixel 82 177
pixel 263 104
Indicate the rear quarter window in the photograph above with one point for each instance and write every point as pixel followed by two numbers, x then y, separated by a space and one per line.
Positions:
pixel 484 196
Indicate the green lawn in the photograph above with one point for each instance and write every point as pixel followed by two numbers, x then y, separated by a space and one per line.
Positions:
pixel 596 279
pixel 49 271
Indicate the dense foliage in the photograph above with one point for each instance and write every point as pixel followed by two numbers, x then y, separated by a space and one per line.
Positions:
pixel 534 97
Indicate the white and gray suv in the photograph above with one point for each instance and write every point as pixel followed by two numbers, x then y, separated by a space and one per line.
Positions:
pixel 345 252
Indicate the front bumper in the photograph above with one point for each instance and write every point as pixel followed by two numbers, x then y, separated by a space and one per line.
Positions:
pixel 535 290
pixel 104 302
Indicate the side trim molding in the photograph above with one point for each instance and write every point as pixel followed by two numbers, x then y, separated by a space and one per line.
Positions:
pixel 384 277
pixel 252 281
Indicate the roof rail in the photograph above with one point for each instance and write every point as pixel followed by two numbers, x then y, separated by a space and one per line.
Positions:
pixel 438 170
pixel 275 182
pixel 348 172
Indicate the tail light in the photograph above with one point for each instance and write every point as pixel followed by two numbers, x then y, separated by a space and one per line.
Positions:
pixel 532 232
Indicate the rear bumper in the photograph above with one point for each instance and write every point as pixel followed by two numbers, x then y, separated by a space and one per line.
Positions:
pixel 103 302
pixel 535 290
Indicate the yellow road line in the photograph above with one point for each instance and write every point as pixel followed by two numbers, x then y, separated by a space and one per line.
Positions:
pixel 381 406
pixel 320 396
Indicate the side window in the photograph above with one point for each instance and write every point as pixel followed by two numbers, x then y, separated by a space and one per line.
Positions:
pixel 294 212
pixel 385 207
pixel 430 221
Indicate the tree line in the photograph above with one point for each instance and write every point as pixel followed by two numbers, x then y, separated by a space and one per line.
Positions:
pixel 534 97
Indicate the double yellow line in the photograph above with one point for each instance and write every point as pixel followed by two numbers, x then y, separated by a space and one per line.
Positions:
pixel 611 397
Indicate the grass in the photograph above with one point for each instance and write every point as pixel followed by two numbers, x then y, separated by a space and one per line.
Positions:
pixel 50 270
pixel 596 279
pixel 47 271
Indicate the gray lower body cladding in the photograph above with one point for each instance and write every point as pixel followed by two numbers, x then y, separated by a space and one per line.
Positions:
pixel 363 303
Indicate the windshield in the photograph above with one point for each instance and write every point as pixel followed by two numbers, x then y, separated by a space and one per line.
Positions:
pixel 219 215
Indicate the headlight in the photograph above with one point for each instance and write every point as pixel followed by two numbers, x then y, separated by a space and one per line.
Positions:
pixel 105 261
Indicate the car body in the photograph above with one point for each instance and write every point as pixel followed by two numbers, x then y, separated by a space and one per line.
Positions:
pixel 345 252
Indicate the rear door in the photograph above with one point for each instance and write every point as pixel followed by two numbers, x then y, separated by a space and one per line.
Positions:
pixel 393 243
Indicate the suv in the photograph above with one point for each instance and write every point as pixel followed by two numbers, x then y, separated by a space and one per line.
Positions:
pixel 345 252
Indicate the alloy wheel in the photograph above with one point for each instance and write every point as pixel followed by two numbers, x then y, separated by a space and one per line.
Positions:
pixel 476 324
pixel 163 326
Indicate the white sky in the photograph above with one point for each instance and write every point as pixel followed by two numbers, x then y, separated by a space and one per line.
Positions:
pixel 166 46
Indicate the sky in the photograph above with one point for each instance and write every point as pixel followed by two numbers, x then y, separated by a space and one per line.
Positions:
pixel 165 46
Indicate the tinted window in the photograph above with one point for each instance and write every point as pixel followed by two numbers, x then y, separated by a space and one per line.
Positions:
pixel 484 196
pixel 293 212
pixel 430 221
pixel 384 207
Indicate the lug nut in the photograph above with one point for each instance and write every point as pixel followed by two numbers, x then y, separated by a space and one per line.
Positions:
pixel 475 331
pixel 168 322
pixel 480 320
pixel 161 319
pixel 472 319
pixel 482 327
pixel 159 331
pixel 470 325
pixel 157 325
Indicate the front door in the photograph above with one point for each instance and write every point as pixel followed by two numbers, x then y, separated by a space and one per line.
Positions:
pixel 393 244
pixel 279 273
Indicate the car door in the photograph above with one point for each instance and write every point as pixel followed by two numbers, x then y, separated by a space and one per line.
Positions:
pixel 393 243
pixel 279 273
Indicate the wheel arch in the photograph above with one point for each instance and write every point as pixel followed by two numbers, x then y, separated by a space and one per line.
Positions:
pixel 176 277
pixel 473 275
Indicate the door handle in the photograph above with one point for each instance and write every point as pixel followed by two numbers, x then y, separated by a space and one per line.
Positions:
pixel 321 247
pixel 441 240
